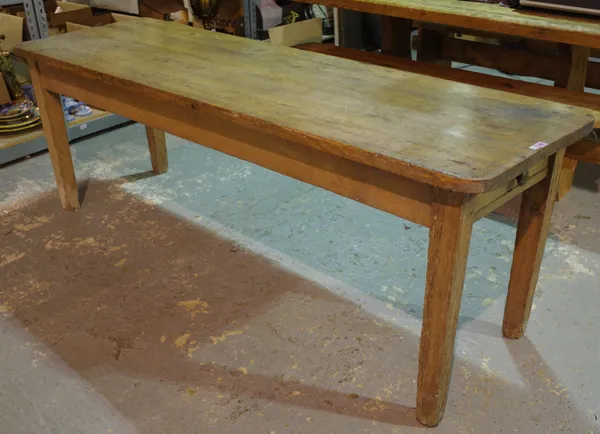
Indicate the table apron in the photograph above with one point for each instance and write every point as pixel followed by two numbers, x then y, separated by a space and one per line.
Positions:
pixel 572 36
pixel 403 197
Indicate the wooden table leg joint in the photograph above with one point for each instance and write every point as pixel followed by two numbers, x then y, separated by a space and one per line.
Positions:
pixel 157 144
pixel 55 130
pixel 533 226
pixel 578 59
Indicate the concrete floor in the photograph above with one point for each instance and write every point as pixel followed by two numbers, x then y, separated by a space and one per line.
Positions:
pixel 224 298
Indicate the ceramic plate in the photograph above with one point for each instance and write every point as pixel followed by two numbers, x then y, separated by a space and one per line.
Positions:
pixel 15 109
pixel 33 118
pixel 15 129
pixel 31 114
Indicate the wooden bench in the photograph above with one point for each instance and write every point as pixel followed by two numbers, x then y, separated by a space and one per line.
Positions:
pixel 587 150
pixel 431 151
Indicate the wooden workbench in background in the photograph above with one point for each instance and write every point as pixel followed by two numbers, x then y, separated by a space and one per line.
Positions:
pixel 550 45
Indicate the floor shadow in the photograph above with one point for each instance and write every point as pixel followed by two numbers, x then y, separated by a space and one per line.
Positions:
pixel 587 177
pixel 154 310
pixel 82 190
pixel 139 176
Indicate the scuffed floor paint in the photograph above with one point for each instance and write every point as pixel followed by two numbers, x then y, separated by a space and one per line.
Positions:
pixel 224 298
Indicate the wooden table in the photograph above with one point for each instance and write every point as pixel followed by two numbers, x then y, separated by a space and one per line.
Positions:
pixel 568 65
pixel 435 152
pixel 527 23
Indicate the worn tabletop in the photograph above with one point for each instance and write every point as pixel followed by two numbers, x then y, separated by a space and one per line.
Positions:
pixel 424 128
pixel 525 22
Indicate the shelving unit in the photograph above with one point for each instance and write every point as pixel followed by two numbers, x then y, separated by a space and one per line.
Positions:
pixel 250 24
pixel 14 146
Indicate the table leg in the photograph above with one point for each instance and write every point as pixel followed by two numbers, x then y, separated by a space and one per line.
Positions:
pixel 55 131
pixel 449 239
pixel 578 59
pixel 429 48
pixel 534 223
pixel 157 143
pixel 396 36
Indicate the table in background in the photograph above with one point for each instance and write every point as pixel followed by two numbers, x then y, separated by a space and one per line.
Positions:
pixel 573 37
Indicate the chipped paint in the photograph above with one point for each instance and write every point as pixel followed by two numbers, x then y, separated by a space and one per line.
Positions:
pixel 181 340
pixel 116 248
pixel 7 259
pixel 191 351
pixel 378 346
pixel 40 221
pixel 194 307
pixel 577 266
pixel 225 335
pixel 89 241
pixel 191 391
pixel 375 405
pixel 487 301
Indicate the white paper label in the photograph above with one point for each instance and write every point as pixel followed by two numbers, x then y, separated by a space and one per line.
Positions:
pixel 538 145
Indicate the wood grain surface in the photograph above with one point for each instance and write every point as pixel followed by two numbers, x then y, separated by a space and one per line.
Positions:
pixel 526 23
pixel 55 130
pixel 435 131
pixel 589 103
pixel 449 239
pixel 157 145
pixel 532 231
pixel 578 61
pixel 514 60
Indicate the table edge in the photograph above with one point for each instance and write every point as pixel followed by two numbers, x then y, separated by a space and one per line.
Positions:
pixel 385 163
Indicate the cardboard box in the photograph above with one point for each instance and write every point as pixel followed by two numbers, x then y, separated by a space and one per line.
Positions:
pixel 71 12
pixel 57 12
pixel 301 32
pixel 168 10
pixel 98 20
pixel 11 27
pixel 229 19
pixel 127 6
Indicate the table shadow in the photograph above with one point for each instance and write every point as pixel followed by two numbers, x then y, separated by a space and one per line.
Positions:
pixel 125 292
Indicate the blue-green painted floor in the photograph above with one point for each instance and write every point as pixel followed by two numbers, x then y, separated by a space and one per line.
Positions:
pixel 264 305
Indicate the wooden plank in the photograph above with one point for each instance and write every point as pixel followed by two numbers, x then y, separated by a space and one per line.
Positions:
pixel 589 103
pixel 379 189
pixel 512 190
pixel 567 174
pixel 8 140
pixel 513 61
pixel 429 46
pixel 449 239
pixel 378 117
pixel 526 23
pixel 157 144
pixel 482 200
pixel 55 130
pixel 578 59
pixel 534 222
pixel 395 37
pixel 579 67
pixel 585 150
